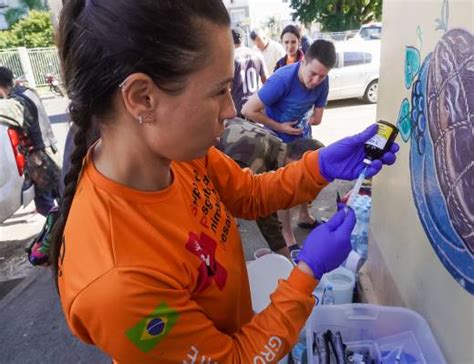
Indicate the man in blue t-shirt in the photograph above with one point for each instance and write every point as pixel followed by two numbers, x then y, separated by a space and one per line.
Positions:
pixel 292 100
pixel 294 97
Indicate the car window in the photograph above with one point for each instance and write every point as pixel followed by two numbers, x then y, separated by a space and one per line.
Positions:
pixel 370 33
pixel 356 58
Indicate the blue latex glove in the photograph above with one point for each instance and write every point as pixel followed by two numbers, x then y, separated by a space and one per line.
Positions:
pixel 344 158
pixel 327 246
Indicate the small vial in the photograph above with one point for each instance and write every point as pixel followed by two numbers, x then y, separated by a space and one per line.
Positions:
pixel 380 142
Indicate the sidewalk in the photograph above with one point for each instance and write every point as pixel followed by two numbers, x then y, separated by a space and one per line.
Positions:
pixel 33 326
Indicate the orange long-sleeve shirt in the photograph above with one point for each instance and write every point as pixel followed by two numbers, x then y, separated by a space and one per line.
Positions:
pixel 160 277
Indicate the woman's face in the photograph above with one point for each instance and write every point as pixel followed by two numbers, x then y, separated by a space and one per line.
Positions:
pixel 291 43
pixel 188 124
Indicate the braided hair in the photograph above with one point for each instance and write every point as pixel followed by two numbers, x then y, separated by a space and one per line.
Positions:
pixel 102 42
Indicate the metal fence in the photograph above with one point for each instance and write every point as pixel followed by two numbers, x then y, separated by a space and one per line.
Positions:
pixel 44 61
pixel 10 58
pixel 33 64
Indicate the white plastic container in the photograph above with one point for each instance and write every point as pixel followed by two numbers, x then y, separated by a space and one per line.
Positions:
pixel 343 282
pixel 385 331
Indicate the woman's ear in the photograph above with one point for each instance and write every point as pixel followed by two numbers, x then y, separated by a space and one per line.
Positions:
pixel 138 93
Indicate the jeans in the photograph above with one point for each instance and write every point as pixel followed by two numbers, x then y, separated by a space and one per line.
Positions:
pixel 44 201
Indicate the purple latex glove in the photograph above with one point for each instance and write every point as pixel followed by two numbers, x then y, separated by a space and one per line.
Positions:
pixel 344 158
pixel 327 246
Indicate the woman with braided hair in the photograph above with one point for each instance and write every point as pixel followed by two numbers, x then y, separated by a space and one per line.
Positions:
pixel 147 256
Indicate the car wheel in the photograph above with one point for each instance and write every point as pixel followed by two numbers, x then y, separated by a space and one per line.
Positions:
pixel 371 92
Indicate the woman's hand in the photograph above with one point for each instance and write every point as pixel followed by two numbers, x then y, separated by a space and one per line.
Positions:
pixel 328 246
pixel 344 158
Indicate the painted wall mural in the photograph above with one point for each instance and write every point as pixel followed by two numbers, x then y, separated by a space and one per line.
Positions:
pixel 438 122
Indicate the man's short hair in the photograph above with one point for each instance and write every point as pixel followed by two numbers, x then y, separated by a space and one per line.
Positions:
pixel 323 51
pixel 6 77
pixel 256 33
pixel 298 147
pixel 237 35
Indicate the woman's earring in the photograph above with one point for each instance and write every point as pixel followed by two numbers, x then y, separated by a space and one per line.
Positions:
pixel 147 119
pixel 123 86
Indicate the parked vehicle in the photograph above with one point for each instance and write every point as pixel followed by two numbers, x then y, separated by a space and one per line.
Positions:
pixel 15 189
pixel 53 84
pixel 369 32
pixel 356 73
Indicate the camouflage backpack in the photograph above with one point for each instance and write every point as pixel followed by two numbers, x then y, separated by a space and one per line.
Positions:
pixel 11 113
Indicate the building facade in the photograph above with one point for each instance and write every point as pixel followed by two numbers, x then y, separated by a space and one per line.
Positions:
pixel 249 14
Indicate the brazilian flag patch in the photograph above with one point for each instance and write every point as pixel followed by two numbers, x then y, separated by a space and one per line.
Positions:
pixel 153 328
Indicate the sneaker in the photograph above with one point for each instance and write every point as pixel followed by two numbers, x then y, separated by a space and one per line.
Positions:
pixel 294 254
pixel 310 226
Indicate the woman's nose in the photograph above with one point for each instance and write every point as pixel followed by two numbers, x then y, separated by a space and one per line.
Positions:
pixel 228 109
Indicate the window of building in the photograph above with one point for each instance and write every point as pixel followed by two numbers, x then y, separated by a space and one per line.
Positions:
pixel 237 15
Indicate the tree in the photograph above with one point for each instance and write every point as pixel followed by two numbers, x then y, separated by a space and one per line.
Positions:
pixel 13 15
pixel 7 40
pixel 273 27
pixel 337 15
pixel 36 30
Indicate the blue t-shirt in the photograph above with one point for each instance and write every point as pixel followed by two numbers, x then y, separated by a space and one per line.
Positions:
pixel 286 99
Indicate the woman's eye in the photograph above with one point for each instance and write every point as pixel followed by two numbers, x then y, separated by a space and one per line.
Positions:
pixel 223 91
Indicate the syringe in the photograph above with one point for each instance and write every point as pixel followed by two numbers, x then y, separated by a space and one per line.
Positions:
pixel 357 186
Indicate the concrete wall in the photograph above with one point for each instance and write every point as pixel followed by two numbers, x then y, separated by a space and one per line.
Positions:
pixel 406 264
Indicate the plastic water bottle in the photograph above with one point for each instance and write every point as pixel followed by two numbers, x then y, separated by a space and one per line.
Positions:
pixel 298 353
pixel 328 296
pixel 360 234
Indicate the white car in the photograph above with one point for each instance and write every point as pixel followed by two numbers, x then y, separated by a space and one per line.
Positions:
pixel 15 190
pixel 356 73
pixel 369 31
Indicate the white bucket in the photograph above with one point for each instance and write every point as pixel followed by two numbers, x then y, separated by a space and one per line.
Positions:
pixel 261 252
pixel 343 282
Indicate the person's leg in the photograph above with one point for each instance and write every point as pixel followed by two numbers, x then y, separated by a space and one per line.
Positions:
pixel 305 219
pixel 287 230
pixel 44 171
pixel 44 201
pixel 270 227
pixel 304 215
pixel 285 252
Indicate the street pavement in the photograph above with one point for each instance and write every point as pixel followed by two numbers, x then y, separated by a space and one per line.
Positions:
pixel 33 329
